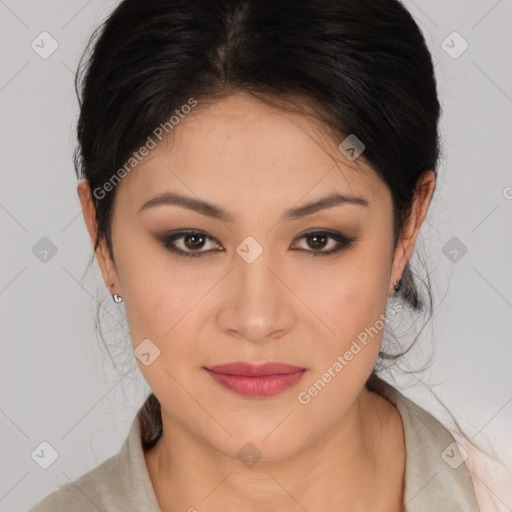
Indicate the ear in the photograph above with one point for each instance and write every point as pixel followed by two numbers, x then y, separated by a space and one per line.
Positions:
pixel 407 241
pixel 105 262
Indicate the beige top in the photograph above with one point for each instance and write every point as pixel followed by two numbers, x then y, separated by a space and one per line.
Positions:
pixel 435 477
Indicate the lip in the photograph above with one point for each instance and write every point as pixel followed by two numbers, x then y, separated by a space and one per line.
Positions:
pixel 254 370
pixel 254 380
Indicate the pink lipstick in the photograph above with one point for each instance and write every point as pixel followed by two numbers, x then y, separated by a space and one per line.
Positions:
pixel 254 380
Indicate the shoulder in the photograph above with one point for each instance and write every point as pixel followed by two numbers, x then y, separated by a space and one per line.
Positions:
pixel 98 489
pixel 121 482
pixel 436 477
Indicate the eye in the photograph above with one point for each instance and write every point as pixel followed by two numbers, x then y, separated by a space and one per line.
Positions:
pixel 192 241
pixel 319 239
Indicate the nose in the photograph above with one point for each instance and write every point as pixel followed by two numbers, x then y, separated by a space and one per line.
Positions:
pixel 258 300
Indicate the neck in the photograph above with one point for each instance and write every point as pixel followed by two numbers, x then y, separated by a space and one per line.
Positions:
pixel 358 464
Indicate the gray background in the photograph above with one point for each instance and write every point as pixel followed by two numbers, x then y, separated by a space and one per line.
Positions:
pixel 58 383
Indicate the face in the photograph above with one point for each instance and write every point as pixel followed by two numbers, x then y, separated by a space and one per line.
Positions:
pixel 307 289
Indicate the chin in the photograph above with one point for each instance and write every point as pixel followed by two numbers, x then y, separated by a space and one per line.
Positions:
pixel 252 447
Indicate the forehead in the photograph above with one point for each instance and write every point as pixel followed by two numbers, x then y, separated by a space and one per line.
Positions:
pixel 241 148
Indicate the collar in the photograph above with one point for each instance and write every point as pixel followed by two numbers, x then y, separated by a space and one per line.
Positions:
pixel 435 476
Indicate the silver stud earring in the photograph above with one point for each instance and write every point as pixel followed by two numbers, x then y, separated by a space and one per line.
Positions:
pixel 117 298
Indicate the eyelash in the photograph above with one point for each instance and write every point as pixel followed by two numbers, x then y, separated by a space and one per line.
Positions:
pixel 343 243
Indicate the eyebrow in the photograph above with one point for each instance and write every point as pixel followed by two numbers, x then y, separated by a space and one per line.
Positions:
pixel 216 212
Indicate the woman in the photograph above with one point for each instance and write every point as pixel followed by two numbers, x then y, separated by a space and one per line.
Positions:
pixel 254 177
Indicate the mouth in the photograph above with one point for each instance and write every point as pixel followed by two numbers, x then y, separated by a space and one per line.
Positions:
pixel 256 381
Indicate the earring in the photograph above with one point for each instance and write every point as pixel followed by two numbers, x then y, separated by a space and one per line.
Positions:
pixel 397 285
pixel 117 298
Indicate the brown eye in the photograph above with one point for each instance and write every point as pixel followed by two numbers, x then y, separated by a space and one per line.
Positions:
pixel 319 240
pixel 318 243
pixel 191 243
pixel 194 241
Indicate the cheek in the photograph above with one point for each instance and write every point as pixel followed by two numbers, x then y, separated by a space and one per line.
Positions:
pixel 351 298
pixel 355 311
pixel 158 297
pixel 355 317
pixel 160 306
pixel 163 309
